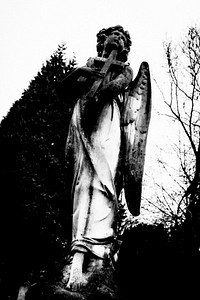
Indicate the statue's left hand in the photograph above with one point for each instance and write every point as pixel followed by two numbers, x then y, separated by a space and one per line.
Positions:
pixel 96 74
pixel 89 73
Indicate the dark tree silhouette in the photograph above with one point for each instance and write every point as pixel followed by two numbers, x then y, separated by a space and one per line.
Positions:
pixel 34 211
pixel 184 73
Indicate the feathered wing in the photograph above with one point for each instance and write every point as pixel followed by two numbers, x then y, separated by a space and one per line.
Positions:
pixel 135 120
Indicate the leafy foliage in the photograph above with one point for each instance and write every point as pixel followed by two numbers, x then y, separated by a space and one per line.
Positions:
pixel 154 261
pixel 35 207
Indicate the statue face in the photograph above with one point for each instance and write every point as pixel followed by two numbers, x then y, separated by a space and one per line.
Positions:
pixel 116 40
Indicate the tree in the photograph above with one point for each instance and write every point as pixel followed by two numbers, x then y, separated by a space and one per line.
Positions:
pixel 182 100
pixel 35 213
pixel 184 73
pixel 179 160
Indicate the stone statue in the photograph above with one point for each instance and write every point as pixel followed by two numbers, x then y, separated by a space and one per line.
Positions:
pixel 106 145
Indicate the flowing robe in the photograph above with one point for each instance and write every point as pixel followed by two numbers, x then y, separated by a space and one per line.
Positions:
pixel 95 161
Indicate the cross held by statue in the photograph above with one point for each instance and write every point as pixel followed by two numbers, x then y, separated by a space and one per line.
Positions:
pixel 106 65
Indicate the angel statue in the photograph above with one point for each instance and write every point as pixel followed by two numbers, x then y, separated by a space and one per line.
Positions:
pixel 106 146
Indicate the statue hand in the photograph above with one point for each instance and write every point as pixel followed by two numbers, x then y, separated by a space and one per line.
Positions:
pixel 96 74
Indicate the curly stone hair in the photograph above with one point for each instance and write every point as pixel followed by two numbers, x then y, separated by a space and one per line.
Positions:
pixel 104 33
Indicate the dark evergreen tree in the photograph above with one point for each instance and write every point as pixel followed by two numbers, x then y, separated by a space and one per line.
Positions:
pixel 34 205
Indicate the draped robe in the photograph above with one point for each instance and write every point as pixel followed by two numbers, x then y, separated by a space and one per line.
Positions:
pixel 95 162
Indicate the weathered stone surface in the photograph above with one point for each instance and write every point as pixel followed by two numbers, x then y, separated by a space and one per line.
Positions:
pixel 101 285
pixel 106 145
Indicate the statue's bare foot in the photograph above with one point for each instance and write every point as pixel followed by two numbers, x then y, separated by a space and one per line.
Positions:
pixel 75 276
pixel 76 279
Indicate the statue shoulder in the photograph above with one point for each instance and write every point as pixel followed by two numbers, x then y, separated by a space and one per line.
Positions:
pixel 128 67
pixel 90 62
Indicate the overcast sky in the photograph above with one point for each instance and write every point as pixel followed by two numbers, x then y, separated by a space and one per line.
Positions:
pixel 31 30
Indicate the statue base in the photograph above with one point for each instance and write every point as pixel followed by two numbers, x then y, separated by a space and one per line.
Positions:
pixel 101 285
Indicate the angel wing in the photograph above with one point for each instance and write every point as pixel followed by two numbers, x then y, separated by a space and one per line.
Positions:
pixel 135 120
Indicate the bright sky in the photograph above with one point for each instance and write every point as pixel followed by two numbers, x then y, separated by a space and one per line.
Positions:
pixel 31 30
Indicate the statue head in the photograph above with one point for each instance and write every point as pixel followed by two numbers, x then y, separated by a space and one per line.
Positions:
pixel 104 34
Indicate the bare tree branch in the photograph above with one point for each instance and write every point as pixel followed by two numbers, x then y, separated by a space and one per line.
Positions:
pixel 183 68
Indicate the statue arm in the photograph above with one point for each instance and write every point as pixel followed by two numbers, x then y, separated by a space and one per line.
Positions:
pixel 116 86
pixel 73 85
pixel 83 72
